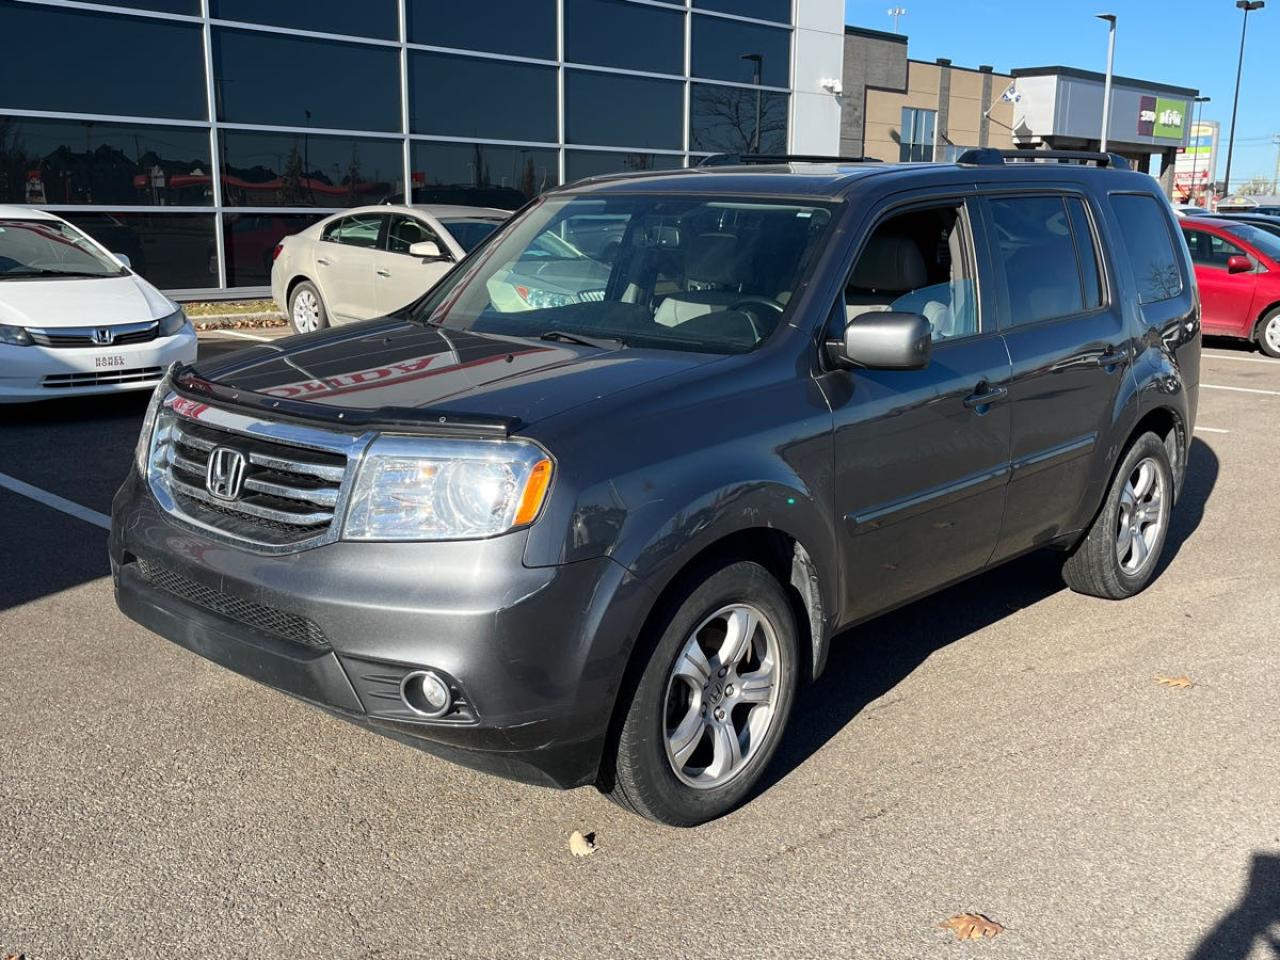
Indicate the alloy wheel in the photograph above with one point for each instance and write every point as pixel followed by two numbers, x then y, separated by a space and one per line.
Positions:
pixel 722 696
pixel 1142 516
pixel 1271 333
pixel 306 312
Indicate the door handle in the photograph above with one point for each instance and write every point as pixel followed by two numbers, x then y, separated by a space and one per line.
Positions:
pixel 383 273
pixel 1111 358
pixel 324 262
pixel 985 395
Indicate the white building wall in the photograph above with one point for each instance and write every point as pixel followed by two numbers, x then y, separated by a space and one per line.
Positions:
pixel 817 64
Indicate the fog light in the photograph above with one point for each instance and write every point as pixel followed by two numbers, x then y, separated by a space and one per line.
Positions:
pixel 426 694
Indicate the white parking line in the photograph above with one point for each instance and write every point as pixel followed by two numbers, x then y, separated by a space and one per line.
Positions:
pixel 242 336
pixel 1218 386
pixel 1211 430
pixel 1227 356
pixel 53 500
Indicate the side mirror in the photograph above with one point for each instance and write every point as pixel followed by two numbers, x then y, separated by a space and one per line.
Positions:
pixel 124 259
pixel 884 341
pixel 1239 264
pixel 427 250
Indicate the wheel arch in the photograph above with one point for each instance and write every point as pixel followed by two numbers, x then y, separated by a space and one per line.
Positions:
pixel 1256 332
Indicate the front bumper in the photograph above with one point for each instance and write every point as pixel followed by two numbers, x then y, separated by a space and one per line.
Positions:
pixel 46 373
pixel 537 653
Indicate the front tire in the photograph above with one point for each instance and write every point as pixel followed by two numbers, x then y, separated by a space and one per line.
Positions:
pixel 306 309
pixel 1269 334
pixel 1119 555
pixel 709 709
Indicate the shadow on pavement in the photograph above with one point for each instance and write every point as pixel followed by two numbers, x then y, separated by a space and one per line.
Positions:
pixel 868 661
pixel 1255 919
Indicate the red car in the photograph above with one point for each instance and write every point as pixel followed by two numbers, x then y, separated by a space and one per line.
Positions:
pixel 1238 270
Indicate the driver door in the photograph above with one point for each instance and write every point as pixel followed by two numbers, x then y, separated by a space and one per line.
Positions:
pixel 400 278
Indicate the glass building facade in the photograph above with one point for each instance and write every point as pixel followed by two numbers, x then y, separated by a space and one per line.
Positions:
pixel 192 135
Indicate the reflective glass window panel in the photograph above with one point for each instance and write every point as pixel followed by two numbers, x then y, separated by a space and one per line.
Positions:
pixel 174 251
pixel 367 18
pixel 1034 243
pixel 74 61
pixel 286 81
pixel 917 133
pixel 482 174
pixel 614 33
pixel 779 10
pixel 612 110
pixel 1144 225
pixel 263 169
pixel 250 240
pixel 190 8
pixel 580 164
pixel 472 97
pixel 723 120
pixel 720 45
pixel 76 162
pixel 524 28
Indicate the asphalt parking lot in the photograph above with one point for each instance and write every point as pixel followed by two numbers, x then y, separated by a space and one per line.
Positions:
pixel 1002 748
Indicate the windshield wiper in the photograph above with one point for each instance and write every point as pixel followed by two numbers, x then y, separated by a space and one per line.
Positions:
pixel 600 343
pixel 27 274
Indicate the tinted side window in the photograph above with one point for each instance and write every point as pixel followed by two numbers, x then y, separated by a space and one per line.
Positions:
pixel 406 231
pixel 1210 250
pixel 1149 246
pixel 1042 272
pixel 1087 251
pixel 359 230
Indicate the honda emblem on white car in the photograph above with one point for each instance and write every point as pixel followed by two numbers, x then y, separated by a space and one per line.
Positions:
pixel 225 475
pixel 103 336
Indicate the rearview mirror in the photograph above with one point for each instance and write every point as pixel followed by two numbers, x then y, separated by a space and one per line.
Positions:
pixel 1239 264
pixel 427 250
pixel 124 259
pixel 884 341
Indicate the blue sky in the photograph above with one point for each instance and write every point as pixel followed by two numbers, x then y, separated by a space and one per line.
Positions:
pixel 1187 43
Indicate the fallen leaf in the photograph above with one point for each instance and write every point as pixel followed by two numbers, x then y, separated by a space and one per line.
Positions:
pixel 581 845
pixel 972 926
pixel 1177 683
pixel 14 956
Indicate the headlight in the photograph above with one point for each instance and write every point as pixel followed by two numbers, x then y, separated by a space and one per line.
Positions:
pixel 141 452
pixel 426 489
pixel 173 324
pixel 14 336
pixel 544 299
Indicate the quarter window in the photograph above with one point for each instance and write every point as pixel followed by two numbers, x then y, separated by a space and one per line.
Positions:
pixel 1041 260
pixel 358 230
pixel 1149 245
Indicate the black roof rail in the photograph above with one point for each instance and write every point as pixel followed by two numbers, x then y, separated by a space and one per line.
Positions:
pixel 991 157
pixel 741 159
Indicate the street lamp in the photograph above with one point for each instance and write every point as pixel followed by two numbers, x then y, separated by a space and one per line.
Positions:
pixel 1195 149
pixel 757 69
pixel 1106 87
pixel 897 13
pixel 1247 6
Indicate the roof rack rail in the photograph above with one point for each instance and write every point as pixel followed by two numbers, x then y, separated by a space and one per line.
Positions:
pixel 991 157
pixel 741 159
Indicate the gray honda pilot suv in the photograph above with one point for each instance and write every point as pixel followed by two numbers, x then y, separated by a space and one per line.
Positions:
pixel 594 517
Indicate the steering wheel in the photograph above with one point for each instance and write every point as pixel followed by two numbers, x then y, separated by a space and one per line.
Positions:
pixel 758 311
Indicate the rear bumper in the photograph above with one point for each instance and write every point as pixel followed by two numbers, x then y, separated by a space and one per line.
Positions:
pixel 537 653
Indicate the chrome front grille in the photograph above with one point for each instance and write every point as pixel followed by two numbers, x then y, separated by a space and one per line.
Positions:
pixel 99 378
pixel 112 335
pixel 291 485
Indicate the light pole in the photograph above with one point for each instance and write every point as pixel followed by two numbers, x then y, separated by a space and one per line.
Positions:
pixel 897 13
pixel 757 69
pixel 1195 149
pixel 1247 6
pixel 1106 86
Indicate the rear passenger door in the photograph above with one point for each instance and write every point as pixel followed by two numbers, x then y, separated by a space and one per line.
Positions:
pixel 1071 350
pixel 345 260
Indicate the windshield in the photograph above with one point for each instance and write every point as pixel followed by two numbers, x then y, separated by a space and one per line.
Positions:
pixel 1265 242
pixel 470 231
pixel 668 272
pixel 49 248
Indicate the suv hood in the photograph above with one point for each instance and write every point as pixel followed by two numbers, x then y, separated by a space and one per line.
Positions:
pixel 81 302
pixel 395 364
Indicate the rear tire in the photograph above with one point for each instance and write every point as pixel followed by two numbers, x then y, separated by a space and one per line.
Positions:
pixel 1119 555
pixel 306 309
pixel 1269 333
pixel 708 711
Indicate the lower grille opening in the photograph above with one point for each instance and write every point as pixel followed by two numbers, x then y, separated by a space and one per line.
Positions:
pixel 97 378
pixel 277 623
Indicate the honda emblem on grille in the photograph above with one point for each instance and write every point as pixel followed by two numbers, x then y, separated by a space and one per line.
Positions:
pixel 225 475
pixel 103 336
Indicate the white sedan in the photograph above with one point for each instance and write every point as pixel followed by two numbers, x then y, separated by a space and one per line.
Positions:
pixel 74 319
pixel 371 261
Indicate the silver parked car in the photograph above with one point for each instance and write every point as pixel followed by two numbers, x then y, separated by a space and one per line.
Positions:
pixel 370 261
